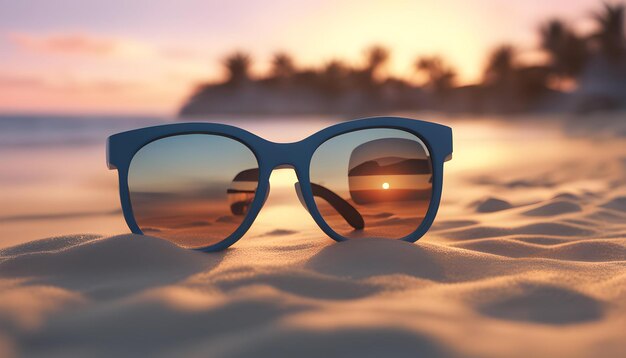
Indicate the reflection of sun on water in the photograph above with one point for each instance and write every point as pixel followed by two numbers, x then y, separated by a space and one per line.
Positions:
pixel 385 186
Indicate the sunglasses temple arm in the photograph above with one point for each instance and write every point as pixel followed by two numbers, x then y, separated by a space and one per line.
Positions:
pixel 344 208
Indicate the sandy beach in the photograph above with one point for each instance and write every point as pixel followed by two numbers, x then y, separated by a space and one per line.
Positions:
pixel 526 258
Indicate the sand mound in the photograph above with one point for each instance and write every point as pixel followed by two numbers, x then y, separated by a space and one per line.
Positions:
pixel 554 208
pixel 371 342
pixel 567 196
pixel 370 257
pixel 452 224
pixel 618 203
pixel 596 250
pixel 46 245
pixel 107 267
pixel 491 205
pixel 545 304
pixel 588 250
pixel 506 247
pixel 542 228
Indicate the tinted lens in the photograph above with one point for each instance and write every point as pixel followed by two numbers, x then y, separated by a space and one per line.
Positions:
pixel 193 190
pixel 385 174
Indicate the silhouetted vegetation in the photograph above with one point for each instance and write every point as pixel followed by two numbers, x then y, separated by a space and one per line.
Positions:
pixel 238 67
pixel 610 33
pixel 441 76
pixel 377 56
pixel 283 66
pixel 582 72
pixel 568 51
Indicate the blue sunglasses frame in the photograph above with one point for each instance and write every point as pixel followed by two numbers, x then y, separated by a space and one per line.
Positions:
pixel 123 146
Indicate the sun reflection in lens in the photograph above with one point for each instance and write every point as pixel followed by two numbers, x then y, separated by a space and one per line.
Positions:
pixel 385 186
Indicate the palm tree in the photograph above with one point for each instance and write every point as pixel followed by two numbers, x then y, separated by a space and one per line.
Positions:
pixel 500 67
pixel 238 66
pixel 282 66
pixel 335 77
pixel 377 57
pixel 568 52
pixel 610 34
pixel 553 33
pixel 440 75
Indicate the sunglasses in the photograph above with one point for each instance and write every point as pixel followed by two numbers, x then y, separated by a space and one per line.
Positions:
pixel 201 185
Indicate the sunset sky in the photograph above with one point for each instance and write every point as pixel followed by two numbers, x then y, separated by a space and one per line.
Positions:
pixel 145 56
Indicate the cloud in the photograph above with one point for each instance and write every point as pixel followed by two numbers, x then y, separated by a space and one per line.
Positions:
pixel 65 83
pixel 65 43
pixel 100 72
pixel 81 44
pixel 19 81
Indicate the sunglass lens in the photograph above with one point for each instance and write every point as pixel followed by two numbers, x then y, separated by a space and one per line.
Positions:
pixel 385 174
pixel 194 189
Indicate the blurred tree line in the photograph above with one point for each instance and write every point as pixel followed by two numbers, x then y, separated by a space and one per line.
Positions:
pixel 574 61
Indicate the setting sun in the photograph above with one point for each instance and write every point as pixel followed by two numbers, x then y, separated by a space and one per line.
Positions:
pixel 385 186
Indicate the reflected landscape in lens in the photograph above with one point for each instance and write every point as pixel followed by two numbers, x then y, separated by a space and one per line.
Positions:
pixel 194 189
pixel 385 174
